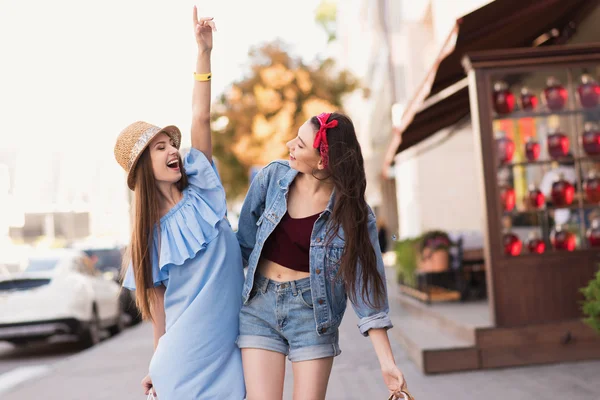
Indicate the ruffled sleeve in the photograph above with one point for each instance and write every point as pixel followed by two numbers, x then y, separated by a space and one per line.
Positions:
pixel 158 277
pixel 189 226
pixel 201 173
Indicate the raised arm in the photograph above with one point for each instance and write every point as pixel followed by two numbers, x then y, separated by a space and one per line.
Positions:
pixel 201 136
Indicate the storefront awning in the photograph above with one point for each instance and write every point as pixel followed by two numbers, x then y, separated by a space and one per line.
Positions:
pixel 443 97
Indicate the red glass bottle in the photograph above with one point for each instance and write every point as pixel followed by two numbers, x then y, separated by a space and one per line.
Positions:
pixel 503 99
pixel 591 139
pixel 505 148
pixel 554 95
pixel 563 192
pixel 536 197
pixel 591 187
pixel 562 239
pixel 512 244
pixel 588 91
pixel 532 149
pixel 593 234
pixel 558 145
pixel 535 245
pixel 508 197
pixel 528 100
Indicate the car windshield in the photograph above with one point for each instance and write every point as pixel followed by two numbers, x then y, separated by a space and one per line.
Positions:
pixel 41 264
pixel 105 258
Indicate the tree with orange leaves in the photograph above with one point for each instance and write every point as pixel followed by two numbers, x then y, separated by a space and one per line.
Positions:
pixel 254 119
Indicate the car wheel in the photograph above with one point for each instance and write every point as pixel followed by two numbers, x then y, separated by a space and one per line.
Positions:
pixel 91 335
pixel 135 315
pixel 18 342
pixel 119 324
pixel 131 309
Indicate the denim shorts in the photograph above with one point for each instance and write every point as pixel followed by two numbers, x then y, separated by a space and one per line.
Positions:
pixel 279 317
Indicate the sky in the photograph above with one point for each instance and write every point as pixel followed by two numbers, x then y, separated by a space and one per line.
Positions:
pixel 74 73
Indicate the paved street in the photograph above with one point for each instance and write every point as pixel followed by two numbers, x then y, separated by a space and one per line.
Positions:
pixel 113 369
pixel 18 364
pixel 22 363
pixel 12 357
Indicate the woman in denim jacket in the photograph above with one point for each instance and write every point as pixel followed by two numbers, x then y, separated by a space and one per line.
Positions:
pixel 310 242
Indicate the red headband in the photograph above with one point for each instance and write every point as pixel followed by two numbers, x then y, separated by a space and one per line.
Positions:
pixel 321 136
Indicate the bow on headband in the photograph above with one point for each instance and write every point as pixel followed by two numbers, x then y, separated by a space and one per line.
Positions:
pixel 321 137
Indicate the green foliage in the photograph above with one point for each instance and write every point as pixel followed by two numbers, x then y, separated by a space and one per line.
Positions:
pixel 591 304
pixel 407 253
pixel 325 16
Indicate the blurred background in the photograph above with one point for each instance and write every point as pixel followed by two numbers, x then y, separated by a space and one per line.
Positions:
pixel 73 74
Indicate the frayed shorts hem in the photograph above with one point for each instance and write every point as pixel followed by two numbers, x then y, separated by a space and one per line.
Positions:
pixel 295 355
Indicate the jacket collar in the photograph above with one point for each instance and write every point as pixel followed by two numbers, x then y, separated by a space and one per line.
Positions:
pixel 285 182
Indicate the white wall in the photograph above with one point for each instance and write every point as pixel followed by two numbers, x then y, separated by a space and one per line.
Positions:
pixel 408 194
pixel 362 49
pixel 416 31
pixel 445 13
pixel 437 185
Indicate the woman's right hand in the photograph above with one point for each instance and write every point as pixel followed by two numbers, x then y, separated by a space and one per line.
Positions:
pixel 203 29
pixel 147 385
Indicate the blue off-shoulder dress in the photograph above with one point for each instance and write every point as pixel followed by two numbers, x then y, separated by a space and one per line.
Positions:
pixel 201 267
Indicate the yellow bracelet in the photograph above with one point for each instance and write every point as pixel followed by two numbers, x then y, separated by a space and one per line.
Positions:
pixel 202 77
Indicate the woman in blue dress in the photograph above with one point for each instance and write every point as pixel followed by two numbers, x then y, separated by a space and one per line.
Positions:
pixel 186 265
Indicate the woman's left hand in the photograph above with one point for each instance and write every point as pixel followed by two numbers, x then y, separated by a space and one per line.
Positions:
pixel 203 30
pixel 394 380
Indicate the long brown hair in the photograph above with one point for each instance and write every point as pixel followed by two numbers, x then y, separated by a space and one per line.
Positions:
pixel 146 218
pixel 347 171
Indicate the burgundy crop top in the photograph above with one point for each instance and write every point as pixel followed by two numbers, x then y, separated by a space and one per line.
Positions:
pixel 289 244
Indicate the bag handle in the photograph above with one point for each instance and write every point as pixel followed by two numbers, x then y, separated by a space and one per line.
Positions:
pixel 405 396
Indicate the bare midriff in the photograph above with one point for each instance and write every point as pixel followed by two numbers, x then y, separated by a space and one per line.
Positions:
pixel 279 273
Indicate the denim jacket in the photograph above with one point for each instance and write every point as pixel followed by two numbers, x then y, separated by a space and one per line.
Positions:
pixel 264 206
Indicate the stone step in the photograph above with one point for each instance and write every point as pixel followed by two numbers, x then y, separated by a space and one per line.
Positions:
pixel 460 319
pixel 432 349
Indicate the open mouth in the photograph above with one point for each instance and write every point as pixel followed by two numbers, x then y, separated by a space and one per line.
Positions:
pixel 292 158
pixel 173 164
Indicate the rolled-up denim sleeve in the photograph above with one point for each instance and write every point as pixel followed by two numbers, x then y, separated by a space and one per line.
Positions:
pixel 373 317
pixel 377 321
pixel 250 213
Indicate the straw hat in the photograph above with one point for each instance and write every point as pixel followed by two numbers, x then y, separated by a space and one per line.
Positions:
pixel 134 139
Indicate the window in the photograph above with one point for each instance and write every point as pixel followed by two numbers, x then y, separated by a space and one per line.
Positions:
pixel 41 264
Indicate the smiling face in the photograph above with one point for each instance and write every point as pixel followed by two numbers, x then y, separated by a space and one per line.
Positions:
pixel 166 161
pixel 303 156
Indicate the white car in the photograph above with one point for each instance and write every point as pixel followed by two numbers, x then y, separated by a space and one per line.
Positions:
pixel 59 292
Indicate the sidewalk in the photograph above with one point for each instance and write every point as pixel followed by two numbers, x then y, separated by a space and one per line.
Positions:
pixel 113 370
